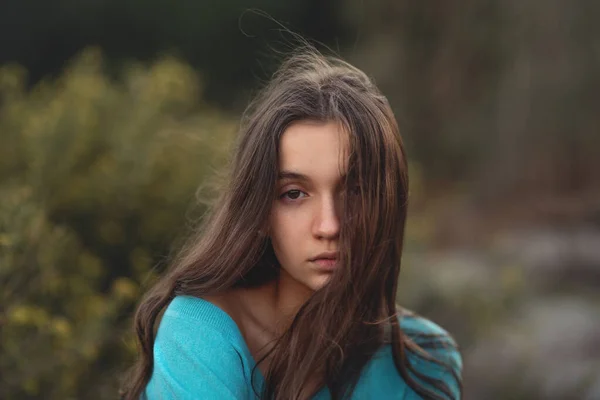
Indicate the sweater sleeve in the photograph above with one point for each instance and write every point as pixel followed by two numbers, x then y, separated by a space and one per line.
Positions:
pixel 193 361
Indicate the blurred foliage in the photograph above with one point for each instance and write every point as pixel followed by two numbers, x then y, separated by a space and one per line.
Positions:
pixel 97 178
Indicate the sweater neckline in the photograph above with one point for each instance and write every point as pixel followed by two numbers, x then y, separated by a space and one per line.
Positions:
pixel 220 319
pixel 229 328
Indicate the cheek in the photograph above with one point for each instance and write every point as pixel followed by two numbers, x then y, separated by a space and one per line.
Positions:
pixel 288 231
pixel 286 222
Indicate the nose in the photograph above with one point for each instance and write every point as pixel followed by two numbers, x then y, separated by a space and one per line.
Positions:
pixel 327 224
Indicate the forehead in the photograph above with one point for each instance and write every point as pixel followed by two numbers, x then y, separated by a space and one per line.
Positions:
pixel 318 150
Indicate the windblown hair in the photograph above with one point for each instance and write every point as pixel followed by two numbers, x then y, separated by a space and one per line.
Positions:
pixel 343 324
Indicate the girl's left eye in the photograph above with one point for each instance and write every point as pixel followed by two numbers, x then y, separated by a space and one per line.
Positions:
pixel 293 194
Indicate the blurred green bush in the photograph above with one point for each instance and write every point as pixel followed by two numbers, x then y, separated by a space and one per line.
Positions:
pixel 97 179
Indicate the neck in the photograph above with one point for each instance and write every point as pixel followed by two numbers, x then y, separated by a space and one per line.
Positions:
pixel 275 304
pixel 287 297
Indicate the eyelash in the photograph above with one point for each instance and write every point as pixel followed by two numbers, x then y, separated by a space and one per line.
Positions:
pixel 354 191
pixel 290 191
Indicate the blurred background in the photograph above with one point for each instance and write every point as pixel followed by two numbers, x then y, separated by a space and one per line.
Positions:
pixel 116 117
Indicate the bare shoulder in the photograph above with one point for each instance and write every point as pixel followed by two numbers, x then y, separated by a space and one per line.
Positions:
pixel 238 303
pixel 224 301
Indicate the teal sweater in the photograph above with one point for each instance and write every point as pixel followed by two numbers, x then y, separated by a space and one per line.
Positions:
pixel 199 353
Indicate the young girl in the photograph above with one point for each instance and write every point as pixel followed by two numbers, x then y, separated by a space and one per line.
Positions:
pixel 289 290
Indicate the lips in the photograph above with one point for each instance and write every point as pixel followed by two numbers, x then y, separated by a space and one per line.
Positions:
pixel 326 261
pixel 328 255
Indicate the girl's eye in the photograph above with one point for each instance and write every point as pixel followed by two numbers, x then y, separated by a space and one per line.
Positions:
pixel 293 194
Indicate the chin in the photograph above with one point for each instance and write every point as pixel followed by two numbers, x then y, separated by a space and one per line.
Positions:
pixel 319 281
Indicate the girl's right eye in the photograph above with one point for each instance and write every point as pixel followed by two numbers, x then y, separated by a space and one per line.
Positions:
pixel 293 194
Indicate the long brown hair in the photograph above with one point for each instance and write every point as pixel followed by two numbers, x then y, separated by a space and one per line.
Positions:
pixel 339 328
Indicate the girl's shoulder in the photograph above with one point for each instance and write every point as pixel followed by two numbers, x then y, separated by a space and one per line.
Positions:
pixel 422 330
pixel 433 352
pixel 198 353
pixel 201 315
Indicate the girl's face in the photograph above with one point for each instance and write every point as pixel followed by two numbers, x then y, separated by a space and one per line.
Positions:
pixel 304 221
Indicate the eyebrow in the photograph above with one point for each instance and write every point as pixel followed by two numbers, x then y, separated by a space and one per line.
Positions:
pixel 292 175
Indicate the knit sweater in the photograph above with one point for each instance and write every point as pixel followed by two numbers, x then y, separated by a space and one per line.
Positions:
pixel 199 353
